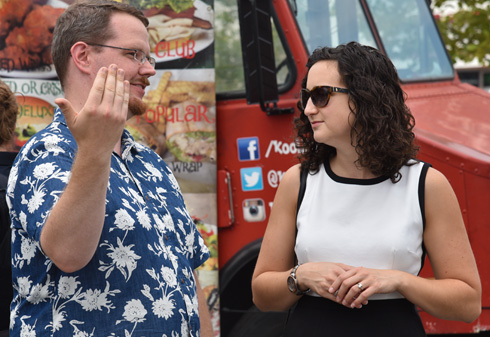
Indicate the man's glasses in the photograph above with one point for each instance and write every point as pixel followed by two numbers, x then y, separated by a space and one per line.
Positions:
pixel 138 55
pixel 319 95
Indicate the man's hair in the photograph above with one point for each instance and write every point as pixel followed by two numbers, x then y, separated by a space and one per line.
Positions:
pixel 86 21
pixel 8 113
pixel 382 127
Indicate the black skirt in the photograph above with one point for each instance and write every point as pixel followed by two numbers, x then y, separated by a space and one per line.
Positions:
pixel 319 317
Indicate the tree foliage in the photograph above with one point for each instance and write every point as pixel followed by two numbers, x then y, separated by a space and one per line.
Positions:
pixel 464 26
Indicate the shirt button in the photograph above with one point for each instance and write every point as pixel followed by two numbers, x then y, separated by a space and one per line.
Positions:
pixel 147 197
pixel 182 280
pixel 166 238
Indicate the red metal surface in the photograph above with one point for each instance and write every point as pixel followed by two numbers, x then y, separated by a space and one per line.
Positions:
pixel 452 128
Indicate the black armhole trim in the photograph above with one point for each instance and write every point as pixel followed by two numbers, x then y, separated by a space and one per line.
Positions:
pixel 302 188
pixel 423 175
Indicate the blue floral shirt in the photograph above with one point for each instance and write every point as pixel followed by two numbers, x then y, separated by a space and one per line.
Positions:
pixel 140 281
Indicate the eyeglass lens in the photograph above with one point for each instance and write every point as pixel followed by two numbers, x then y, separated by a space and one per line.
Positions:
pixel 141 57
pixel 319 96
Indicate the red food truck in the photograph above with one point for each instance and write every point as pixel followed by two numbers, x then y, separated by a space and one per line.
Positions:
pixel 254 130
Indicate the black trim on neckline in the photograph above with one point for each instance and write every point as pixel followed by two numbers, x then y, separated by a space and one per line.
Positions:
pixel 352 181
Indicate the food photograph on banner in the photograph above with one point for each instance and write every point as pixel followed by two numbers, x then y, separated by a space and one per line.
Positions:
pixel 26 33
pixel 180 122
pixel 181 32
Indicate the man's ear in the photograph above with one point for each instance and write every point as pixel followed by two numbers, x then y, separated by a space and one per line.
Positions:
pixel 80 53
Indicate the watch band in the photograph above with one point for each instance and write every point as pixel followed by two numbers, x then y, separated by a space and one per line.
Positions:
pixel 293 283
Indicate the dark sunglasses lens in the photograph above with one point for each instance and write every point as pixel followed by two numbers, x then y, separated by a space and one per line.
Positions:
pixel 305 96
pixel 320 96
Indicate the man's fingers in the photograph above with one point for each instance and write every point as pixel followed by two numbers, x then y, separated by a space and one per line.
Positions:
pixel 97 91
pixel 121 98
pixel 110 84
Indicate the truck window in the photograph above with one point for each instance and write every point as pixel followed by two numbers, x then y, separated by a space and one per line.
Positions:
pixel 228 53
pixel 332 22
pixel 411 39
pixel 406 29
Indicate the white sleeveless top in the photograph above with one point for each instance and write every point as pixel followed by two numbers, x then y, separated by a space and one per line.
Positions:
pixel 371 223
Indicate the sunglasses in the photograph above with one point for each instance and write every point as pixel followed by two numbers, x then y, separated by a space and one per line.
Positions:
pixel 319 95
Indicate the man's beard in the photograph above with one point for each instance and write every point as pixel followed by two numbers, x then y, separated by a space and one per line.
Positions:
pixel 137 107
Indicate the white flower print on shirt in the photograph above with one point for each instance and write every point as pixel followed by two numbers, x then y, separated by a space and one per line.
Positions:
pixel 28 249
pixel 134 312
pixel 123 220
pixel 35 201
pixel 43 171
pixel 23 286
pixel 123 258
pixel 79 333
pixel 51 144
pixel 27 330
pixel 37 189
pixel 168 223
pixel 184 328
pixel 136 196
pixel 67 286
pixel 39 293
pixel 95 299
pixel 144 219
pixel 23 220
pixel 169 277
pixel 14 174
pixel 163 307
pixel 192 303
pixel 27 148
pixel 152 173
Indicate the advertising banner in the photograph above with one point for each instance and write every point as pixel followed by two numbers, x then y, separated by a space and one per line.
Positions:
pixel 180 122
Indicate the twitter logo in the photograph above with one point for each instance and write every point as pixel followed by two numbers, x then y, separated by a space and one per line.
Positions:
pixel 252 179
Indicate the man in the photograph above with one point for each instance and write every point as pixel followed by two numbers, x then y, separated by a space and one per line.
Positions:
pixel 102 242
pixel 8 118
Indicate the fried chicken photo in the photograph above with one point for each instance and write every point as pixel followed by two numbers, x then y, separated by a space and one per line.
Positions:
pixel 12 14
pixel 26 33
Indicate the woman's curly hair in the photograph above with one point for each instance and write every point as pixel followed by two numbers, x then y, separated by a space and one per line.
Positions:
pixel 8 113
pixel 382 126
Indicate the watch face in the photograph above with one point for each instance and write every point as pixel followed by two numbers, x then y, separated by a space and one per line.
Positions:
pixel 291 284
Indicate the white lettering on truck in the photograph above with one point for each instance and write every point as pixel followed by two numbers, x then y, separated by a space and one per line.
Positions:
pixel 280 147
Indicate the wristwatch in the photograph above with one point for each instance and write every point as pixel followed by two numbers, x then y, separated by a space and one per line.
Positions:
pixel 293 283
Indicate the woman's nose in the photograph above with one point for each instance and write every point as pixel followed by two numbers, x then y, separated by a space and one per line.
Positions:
pixel 310 108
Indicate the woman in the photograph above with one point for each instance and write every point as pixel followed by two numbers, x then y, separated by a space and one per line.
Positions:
pixel 349 257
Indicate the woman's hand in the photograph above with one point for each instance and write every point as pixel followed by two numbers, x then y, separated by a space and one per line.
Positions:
pixel 353 287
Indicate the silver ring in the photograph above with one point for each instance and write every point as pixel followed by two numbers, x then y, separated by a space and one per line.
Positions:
pixel 359 285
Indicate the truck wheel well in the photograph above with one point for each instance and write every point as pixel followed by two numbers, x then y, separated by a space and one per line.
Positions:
pixel 235 285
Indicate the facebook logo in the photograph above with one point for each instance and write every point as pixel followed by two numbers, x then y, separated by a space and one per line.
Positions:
pixel 251 179
pixel 248 148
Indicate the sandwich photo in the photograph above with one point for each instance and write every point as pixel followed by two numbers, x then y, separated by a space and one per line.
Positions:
pixel 172 22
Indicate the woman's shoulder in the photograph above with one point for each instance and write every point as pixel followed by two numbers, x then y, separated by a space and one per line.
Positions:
pixel 289 183
pixel 436 180
pixel 292 174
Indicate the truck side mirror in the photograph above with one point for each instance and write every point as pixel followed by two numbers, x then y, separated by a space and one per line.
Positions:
pixel 258 55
